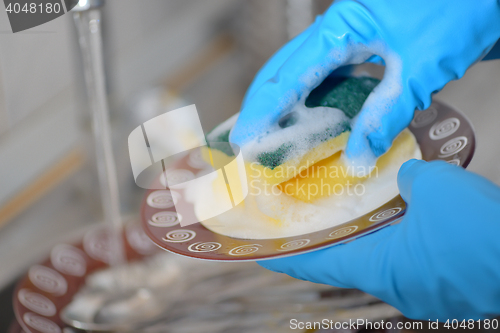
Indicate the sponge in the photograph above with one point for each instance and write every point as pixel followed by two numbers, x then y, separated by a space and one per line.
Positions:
pixel 330 176
pixel 346 94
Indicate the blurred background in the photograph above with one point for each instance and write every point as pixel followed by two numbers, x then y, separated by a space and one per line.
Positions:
pixel 159 55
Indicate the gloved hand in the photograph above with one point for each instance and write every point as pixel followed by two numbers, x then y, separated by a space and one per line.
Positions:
pixel 442 261
pixel 424 43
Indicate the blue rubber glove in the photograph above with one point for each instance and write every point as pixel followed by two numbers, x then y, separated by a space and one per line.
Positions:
pixel 424 43
pixel 442 261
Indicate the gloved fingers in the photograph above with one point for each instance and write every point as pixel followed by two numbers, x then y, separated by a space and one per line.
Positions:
pixel 363 263
pixel 435 173
pixel 334 41
pixel 406 176
pixel 386 112
pixel 276 61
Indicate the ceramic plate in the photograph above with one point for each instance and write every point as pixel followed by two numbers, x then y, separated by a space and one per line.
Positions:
pixel 50 286
pixel 442 132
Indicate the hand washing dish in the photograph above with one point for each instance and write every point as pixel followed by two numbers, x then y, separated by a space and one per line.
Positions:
pixel 314 130
pixel 298 182
pixel 297 219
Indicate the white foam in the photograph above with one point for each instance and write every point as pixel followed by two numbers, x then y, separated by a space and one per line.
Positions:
pixel 309 131
pixel 378 104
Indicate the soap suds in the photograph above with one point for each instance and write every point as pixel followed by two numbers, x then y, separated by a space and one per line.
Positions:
pixel 313 126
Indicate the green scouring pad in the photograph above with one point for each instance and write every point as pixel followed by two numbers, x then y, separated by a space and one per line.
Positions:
pixel 346 94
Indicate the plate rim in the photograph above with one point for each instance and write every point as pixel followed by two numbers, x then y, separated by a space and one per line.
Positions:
pixel 307 249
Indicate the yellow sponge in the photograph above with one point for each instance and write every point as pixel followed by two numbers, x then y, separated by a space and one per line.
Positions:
pixel 331 175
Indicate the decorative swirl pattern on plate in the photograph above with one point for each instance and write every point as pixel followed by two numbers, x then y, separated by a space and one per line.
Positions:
pixel 176 177
pixel 455 161
pixel 244 250
pixel 69 260
pixel 165 219
pixel 97 244
pixel 162 199
pixel 36 302
pixel 179 236
pixel 424 118
pixel 294 244
pixel 48 280
pixel 453 146
pixel 343 232
pixel 41 324
pixel 444 128
pixel 204 247
pixel 384 215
